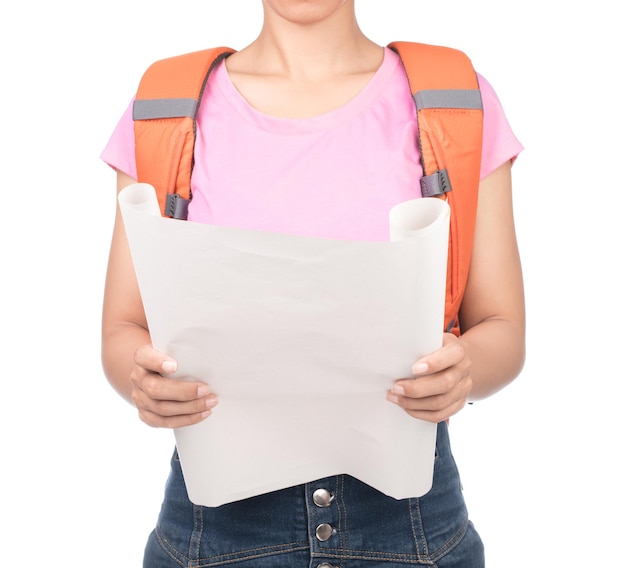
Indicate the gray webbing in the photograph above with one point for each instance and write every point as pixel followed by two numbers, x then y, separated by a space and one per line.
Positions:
pixel 176 206
pixel 435 184
pixel 164 108
pixel 449 98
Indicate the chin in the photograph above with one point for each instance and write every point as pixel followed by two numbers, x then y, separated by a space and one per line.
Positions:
pixel 305 11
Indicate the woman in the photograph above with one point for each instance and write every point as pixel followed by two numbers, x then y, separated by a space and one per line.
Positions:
pixel 310 88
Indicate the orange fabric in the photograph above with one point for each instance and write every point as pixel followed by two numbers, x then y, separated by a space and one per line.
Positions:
pixel 164 147
pixel 164 161
pixel 439 67
pixel 451 139
pixel 181 76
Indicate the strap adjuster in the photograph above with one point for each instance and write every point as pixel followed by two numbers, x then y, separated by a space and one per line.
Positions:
pixel 176 206
pixel 435 185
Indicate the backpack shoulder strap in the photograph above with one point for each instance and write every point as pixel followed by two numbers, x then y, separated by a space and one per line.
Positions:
pixel 449 116
pixel 450 121
pixel 164 114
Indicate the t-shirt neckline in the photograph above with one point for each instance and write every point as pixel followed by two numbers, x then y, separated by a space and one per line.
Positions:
pixel 370 93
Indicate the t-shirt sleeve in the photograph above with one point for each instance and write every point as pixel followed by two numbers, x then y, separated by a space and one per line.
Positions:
pixel 499 143
pixel 119 153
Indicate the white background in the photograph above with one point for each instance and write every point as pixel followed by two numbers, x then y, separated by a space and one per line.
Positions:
pixel 541 462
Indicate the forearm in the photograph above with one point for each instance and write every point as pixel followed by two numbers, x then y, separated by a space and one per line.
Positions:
pixel 120 341
pixel 124 326
pixel 496 349
pixel 492 314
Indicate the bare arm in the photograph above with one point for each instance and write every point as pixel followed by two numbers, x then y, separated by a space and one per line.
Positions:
pixel 124 326
pixel 130 363
pixel 490 352
pixel 493 313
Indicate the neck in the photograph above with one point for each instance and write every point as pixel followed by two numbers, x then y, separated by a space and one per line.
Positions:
pixel 309 49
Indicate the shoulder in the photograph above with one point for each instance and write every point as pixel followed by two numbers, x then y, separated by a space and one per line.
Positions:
pixel 500 144
pixel 179 80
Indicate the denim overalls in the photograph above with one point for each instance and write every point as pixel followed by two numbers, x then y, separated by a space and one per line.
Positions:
pixel 335 522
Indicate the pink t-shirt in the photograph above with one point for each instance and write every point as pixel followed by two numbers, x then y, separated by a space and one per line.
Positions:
pixel 336 175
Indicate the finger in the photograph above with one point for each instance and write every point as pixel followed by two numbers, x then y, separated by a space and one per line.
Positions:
pixel 162 388
pixel 432 385
pixel 449 354
pixel 417 399
pixel 440 415
pixel 429 404
pixel 149 358
pixel 177 421
pixel 169 407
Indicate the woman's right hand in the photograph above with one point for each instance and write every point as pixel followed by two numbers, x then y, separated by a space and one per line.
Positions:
pixel 163 402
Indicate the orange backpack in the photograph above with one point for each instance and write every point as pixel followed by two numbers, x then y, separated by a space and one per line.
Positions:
pixel 449 117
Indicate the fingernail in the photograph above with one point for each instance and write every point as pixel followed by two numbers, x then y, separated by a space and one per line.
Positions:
pixel 392 398
pixel 169 366
pixel 419 368
pixel 211 402
pixel 203 390
pixel 397 389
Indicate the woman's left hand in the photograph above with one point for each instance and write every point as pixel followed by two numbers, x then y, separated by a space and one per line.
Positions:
pixel 441 384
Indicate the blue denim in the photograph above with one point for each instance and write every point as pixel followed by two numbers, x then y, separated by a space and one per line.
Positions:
pixel 357 526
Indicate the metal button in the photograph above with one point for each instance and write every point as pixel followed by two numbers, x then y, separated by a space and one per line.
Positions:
pixel 323 532
pixel 322 497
